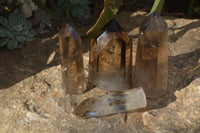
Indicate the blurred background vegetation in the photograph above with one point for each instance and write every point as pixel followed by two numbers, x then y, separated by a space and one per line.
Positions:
pixel 178 8
pixel 21 20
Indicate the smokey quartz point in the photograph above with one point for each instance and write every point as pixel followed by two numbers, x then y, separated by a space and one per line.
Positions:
pixel 151 67
pixel 110 104
pixel 71 60
pixel 110 64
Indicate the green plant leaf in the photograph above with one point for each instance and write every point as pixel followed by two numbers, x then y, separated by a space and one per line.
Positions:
pixel 12 44
pixel 74 2
pixel 16 23
pixel 17 31
pixel 3 21
pixel 3 41
pixel 28 25
pixel 42 6
pixel 157 6
pixel 5 33
pixel 20 44
pixel 78 9
pixel 60 3
pixel 110 9
pixel 30 33
pixel 75 10
pixel 190 8
pixel 84 2
pixel 30 39
pixel 21 38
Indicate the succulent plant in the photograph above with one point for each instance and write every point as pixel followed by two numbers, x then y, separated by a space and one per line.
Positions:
pixel 78 8
pixel 14 31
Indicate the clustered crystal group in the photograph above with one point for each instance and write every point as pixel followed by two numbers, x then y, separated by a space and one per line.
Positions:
pixel 110 67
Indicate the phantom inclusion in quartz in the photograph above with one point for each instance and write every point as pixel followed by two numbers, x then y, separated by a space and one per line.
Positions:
pixel 110 63
pixel 110 104
pixel 151 67
pixel 71 60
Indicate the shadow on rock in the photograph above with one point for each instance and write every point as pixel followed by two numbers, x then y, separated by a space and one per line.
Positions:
pixel 183 30
pixel 183 69
pixel 16 65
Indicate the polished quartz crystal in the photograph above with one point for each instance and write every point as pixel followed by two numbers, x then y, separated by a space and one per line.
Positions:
pixel 71 60
pixel 110 104
pixel 110 63
pixel 151 68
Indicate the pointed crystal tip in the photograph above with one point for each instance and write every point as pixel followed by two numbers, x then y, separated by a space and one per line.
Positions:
pixel 111 32
pixel 112 26
pixel 68 31
pixel 155 23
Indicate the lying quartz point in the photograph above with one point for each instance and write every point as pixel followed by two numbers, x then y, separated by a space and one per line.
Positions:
pixel 151 68
pixel 110 64
pixel 112 103
pixel 71 60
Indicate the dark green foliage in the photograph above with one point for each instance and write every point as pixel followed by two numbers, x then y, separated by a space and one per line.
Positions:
pixel 157 6
pixel 45 19
pixel 43 6
pixel 77 8
pixel 193 8
pixel 14 31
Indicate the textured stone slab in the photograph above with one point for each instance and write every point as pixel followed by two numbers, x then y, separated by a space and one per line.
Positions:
pixel 181 115
pixel 32 98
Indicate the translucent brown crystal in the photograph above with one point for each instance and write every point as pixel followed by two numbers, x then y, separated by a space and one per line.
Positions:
pixel 71 60
pixel 151 68
pixel 110 64
pixel 112 103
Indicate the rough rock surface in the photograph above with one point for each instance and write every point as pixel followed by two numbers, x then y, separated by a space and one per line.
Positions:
pixel 181 115
pixel 33 100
